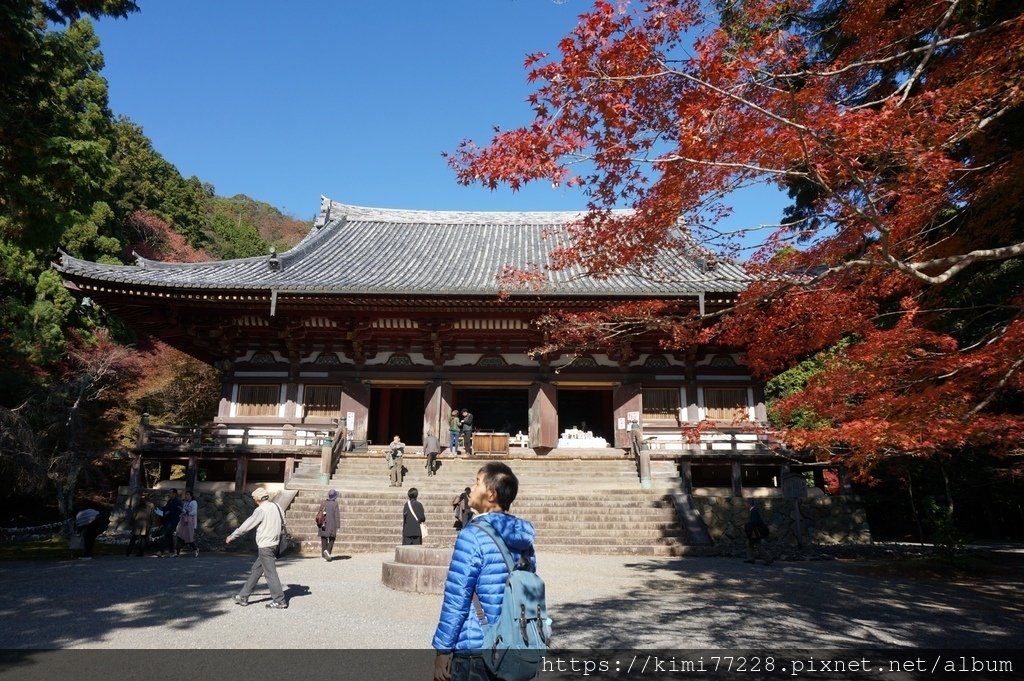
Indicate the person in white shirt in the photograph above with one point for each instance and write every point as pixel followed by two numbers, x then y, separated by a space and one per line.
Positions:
pixel 268 520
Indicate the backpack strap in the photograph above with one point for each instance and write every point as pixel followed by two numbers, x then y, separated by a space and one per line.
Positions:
pixel 485 527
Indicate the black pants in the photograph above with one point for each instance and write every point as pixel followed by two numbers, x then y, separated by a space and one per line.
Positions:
pixel 143 541
pixel 470 668
pixel 327 544
pixel 167 541
pixel 467 436
pixel 89 534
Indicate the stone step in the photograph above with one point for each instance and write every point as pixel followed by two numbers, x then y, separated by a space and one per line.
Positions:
pixel 553 520
pixel 592 506
pixel 356 499
pixel 544 538
pixel 312 548
pixel 539 504
pixel 543 534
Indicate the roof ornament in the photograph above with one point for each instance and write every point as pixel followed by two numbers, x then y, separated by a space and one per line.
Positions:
pixel 324 216
pixel 273 262
pixel 139 260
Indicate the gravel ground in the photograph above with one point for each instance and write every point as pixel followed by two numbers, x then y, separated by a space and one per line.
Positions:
pixel 597 602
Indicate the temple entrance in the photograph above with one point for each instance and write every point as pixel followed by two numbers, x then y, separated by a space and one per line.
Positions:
pixel 501 410
pixel 587 409
pixel 396 411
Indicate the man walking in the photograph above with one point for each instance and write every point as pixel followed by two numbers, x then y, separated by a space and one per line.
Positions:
pixel 757 537
pixel 268 519
pixel 431 447
pixel 477 567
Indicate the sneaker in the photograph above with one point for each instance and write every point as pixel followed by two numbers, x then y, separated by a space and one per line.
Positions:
pixel 240 601
pixel 327 556
pixel 277 606
pixel 85 558
pixel 197 553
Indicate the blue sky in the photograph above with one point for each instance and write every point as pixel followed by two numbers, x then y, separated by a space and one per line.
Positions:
pixel 285 101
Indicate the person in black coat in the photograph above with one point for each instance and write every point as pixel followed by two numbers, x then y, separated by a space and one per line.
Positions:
pixel 172 514
pixel 332 523
pixel 757 533
pixel 412 515
pixel 467 431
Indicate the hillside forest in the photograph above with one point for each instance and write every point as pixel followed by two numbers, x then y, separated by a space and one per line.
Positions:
pixel 76 177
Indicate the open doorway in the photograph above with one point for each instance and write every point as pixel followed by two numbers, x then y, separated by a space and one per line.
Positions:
pixel 501 410
pixel 587 409
pixel 396 411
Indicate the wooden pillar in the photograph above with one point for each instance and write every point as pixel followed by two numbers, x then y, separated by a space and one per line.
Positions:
pixel 241 473
pixel 432 411
pixel 737 479
pixel 226 394
pixel 844 480
pixel 626 398
pixel 543 416
pixel 355 398
pixel 686 473
pixel 191 473
pixel 135 480
pixel 165 470
pixel 447 404
pixel 760 410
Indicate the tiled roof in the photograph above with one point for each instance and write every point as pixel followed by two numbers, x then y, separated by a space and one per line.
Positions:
pixel 357 250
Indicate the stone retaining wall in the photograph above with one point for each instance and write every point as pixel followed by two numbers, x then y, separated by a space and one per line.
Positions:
pixel 220 513
pixel 793 522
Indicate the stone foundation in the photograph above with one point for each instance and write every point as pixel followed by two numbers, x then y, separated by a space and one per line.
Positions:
pixel 420 569
pixel 796 522
pixel 220 514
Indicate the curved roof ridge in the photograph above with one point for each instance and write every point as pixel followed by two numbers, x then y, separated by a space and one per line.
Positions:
pixel 331 211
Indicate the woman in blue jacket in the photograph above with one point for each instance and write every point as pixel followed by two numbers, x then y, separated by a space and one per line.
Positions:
pixel 477 567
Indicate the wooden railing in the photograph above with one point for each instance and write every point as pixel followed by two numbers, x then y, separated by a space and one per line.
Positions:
pixel 218 437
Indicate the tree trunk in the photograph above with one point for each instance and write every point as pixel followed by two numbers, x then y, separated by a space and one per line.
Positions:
pixel 913 508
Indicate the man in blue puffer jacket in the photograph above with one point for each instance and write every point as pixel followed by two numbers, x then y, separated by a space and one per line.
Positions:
pixel 477 567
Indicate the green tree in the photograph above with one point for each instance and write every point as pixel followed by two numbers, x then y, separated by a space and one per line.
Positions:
pixel 56 144
pixel 147 181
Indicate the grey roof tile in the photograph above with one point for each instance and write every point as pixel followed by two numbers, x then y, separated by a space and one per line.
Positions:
pixel 354 249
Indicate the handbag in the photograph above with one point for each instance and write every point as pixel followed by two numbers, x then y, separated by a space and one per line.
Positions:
pixel 285 543
pixel 321 515
pixel 76 542
pixel 423 524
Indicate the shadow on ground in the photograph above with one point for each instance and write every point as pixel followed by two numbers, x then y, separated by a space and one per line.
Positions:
pixel 726 603
pixel 74 603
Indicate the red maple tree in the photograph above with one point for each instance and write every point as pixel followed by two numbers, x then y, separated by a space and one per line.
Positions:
pixel 897 129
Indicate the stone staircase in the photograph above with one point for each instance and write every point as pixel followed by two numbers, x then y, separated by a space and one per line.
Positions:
pixel 578 505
